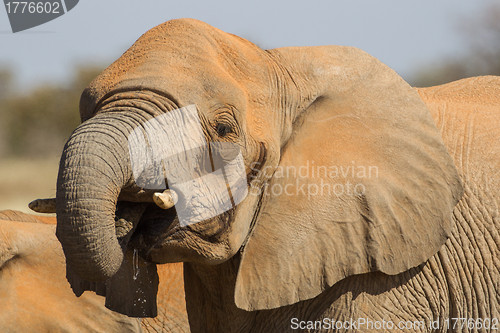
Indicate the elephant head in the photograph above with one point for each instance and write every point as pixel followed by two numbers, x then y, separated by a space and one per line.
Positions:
pixel 307 124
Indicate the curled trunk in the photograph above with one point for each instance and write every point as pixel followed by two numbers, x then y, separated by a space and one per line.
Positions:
pixel 93 169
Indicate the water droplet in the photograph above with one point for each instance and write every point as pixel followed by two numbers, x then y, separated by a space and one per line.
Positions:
pixel 135 264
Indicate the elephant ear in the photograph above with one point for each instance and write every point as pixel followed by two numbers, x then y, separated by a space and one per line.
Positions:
pixel 364 182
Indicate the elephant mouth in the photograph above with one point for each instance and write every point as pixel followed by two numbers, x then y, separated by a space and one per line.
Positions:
pixel 147 228
pixel 145 225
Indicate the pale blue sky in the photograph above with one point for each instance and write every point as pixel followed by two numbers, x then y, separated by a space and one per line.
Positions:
pixel 403 34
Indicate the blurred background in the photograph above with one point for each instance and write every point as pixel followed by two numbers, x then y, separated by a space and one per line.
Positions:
pixel 43 70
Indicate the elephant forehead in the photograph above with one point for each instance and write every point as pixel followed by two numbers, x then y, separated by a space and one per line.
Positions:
pixel 193 43
pixel 186 57
pixel 206 86
pixel 162 68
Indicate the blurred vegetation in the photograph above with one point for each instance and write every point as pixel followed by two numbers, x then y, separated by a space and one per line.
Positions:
pixel 38 122
pixel 481 35
pixel 34 125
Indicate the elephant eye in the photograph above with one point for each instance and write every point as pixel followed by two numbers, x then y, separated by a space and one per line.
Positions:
pixel 223 129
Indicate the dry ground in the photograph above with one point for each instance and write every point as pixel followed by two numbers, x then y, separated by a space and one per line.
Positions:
pixel 23 180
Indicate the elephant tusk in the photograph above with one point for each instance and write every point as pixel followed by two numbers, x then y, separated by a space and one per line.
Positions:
pixel 47 206
pixel 165 200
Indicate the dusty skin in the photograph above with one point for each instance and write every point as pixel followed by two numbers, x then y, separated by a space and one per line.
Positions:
pixel 420 243
pixel 36 296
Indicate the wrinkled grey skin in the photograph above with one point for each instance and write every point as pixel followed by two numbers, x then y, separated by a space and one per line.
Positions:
pixel 277 257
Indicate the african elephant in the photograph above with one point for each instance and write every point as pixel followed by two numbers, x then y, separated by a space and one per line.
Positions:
pixel 37 298
pixel 354 208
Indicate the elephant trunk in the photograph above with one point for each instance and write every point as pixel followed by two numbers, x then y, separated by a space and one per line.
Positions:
pixel 94 168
